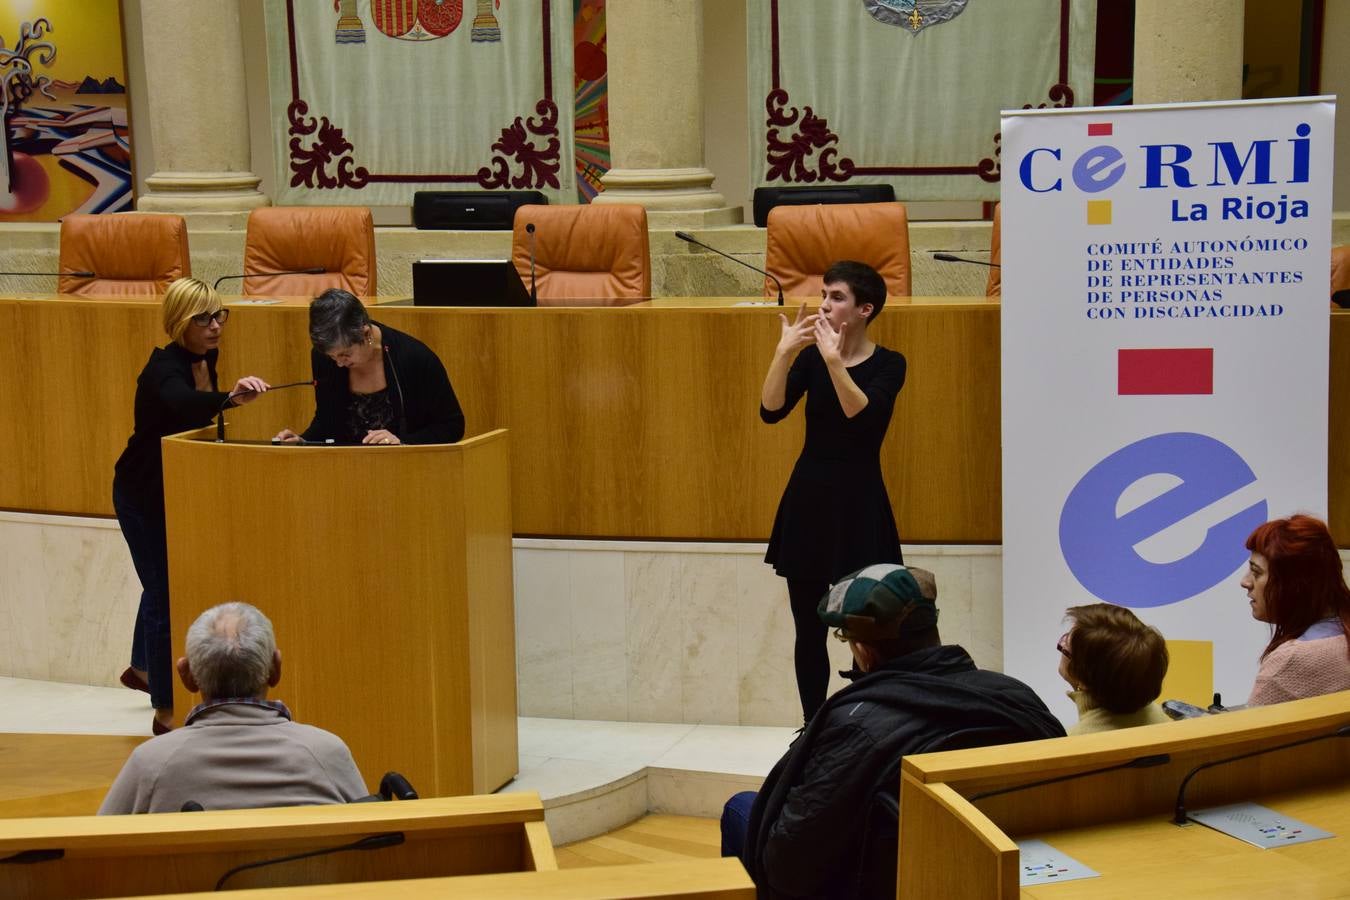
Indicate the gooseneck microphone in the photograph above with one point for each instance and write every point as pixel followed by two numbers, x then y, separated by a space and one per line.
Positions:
pixel 534 293
pixel 220 416
pixel 315 270
pixel 53 274
pixel 686 236
pixel 370 842
pixel 951 257
pixel 1179 818
pixel 1139 762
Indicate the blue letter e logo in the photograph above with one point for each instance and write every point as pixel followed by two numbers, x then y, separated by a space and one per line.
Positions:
pixel 1099 546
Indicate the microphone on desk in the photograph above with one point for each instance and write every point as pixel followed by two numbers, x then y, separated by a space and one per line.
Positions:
pixel 314 270
pixel 686 236
pixel 370 842
pixel 951 257
pixel 53 274
pixel 534 292
pixel 1179 818
pixel 220 416
pixel 1139 762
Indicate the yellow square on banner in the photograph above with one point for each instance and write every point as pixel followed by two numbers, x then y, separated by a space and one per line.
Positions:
pixel 1190 674
pixel 1099 212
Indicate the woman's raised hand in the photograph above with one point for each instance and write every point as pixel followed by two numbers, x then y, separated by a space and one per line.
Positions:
pixel 248 388
pixel 829 341
pixel 797 333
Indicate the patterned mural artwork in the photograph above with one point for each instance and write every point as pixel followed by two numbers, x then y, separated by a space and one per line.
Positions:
pixel 591 89
pixel 821 117
pixel 385 97
pixel 66 145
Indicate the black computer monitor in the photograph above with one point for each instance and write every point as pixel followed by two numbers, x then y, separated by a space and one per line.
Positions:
pixel 468 282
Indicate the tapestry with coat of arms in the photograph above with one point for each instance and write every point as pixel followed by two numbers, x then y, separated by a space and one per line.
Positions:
pixel 906 92
pixel 375 99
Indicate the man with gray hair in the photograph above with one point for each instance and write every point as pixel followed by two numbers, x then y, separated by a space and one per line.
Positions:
pixel 237 749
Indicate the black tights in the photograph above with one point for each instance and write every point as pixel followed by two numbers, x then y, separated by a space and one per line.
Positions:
pixel 809 654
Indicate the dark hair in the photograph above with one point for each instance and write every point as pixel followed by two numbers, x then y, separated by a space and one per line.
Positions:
pixel 867 286
pixel 336 320
pixel 1305 580
pixel 1117 659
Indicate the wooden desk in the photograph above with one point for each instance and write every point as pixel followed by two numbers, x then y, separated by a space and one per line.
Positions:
pixel 636 422
pixel 1119 822
pixel 701 879
pixel 117 856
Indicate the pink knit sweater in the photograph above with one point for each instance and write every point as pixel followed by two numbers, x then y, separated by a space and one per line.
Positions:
pixel 1298 669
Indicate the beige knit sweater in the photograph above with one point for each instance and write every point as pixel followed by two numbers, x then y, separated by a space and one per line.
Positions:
pixel 1298 669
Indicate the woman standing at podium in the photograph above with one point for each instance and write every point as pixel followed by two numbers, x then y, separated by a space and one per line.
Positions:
pixel 834 517
pixel 373 384
pixel 176 391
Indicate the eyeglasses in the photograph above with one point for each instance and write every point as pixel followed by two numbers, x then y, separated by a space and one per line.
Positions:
pixel 204 319
pixel 1063 645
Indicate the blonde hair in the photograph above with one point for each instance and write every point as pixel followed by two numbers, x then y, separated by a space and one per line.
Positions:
pixel 185 298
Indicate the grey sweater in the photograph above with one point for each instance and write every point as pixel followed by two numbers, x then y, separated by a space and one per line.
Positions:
pixel 236 756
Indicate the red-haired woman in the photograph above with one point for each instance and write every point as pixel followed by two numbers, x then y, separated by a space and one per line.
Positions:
pixel 1295 581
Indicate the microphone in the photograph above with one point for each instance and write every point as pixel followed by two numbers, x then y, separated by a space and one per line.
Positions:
pixel 220 417
pixel 53 274
pixel 315 270
pixel 534 293
pixel 948 257
pixel 370 842
pixel 686 236
pixel 1140 762
pixel 1180 817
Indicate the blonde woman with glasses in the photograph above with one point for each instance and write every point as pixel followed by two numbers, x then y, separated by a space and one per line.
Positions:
pixel 176 391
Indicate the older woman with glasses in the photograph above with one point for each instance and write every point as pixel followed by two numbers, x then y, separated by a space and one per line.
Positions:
pixel 176 391
pixel 1115 665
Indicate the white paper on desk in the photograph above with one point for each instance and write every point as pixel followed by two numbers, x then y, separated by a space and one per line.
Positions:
pixel 1257 825
pixel 261 301
pixel 1043 864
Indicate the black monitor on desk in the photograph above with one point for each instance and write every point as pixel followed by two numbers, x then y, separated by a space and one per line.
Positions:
pixel 468 282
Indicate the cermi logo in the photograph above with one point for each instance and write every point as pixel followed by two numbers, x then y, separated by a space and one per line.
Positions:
pixel 1267 161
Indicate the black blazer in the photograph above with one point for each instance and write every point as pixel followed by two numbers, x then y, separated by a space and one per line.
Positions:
pixel 426 409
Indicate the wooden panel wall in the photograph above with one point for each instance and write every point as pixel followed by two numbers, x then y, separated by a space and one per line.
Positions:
pixel 633 422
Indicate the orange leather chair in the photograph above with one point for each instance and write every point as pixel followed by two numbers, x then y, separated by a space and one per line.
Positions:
pixel 804 240
pixel 130 254
pixel 338 239
pixel 994 287
pixel 1340 271
pixel 596 252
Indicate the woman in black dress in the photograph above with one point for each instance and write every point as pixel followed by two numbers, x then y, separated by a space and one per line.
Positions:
pixel 835 516
pixel 176 391
pixel 374 385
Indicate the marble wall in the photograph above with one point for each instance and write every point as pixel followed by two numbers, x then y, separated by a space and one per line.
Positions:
pixel 694 632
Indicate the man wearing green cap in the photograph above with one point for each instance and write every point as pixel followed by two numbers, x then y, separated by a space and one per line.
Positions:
pixel 824 823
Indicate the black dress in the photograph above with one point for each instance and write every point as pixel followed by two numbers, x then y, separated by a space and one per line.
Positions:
pixel 835 516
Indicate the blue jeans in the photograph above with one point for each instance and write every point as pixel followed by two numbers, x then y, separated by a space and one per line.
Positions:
pixel 151 650
pixel 736 823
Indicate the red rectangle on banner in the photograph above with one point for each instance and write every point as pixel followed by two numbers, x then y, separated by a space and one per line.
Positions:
pixel 1099 129
pixel 1172 370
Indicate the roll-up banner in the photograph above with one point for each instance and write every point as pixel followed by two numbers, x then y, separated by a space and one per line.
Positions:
pixel 1165 342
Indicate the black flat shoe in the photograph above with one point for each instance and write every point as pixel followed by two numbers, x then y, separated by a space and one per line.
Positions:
pixel 157 727
pixel 130 679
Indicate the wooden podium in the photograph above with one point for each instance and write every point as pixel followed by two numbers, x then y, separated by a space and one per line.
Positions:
pixel 387 574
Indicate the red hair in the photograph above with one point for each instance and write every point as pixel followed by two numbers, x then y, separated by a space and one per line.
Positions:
pixel 1305 581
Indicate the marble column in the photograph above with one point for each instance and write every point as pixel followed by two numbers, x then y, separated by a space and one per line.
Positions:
pixel 655 65
pixel 1187 51
pixel 194 70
